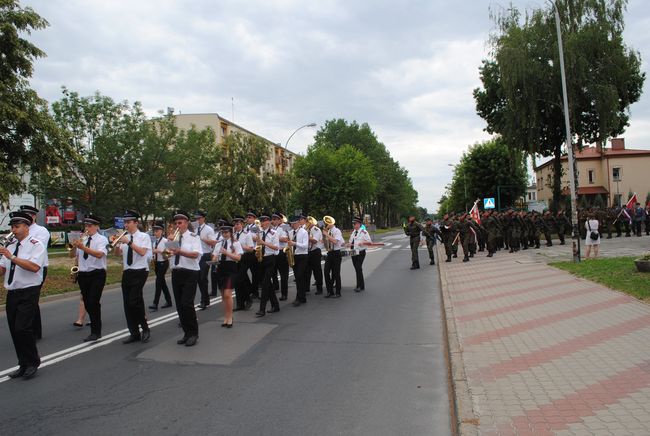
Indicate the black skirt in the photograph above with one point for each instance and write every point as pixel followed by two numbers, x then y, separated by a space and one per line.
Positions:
pixel 227 274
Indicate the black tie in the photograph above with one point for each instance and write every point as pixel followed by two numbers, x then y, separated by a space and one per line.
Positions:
pixel 177 258
pixel 12 268
pixel 156 247
pixel 199 232
pixel 87 245
pixel 238 233
pixel 263 246
pixel 355 235
pixel 129 253
pixel 225 247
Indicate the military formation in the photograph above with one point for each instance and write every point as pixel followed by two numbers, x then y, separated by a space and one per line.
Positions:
pixel 514 230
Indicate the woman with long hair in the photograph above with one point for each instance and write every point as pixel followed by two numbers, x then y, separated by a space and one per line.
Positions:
pixel 227 252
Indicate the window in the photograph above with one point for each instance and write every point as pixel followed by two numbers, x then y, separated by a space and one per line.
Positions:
pixel 617 199
pixel 616 174
pixel 591 177
pixel 224 129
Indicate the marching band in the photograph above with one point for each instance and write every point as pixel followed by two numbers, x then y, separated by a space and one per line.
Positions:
pixel 244 255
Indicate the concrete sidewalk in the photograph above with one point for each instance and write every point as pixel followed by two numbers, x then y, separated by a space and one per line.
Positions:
pixel 537 351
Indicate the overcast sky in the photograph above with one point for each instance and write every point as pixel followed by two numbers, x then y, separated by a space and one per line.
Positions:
pixel 406 68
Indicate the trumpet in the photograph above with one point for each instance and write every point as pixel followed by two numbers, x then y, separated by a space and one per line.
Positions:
pixel 7 239
pixel 115 239
pixel 166 254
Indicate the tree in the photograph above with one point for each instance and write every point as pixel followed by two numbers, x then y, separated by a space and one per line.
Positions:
pixel 29 140
pixel 521 98
pixel 489 169
pixel 394 195
pixel 333 181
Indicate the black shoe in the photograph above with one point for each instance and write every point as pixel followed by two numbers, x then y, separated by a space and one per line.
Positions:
pixel 448 259
pixel 229 326
pixel 153 308
pixel 318 293
pixel 357 290
pixel 296 303
pixel 329 295
pixel 76 324
pixel 413 267
pixel 182 340
pixel 466 259
pixel 489 255
pixel 131 339
pixel 92 338
pixel 146 335
pixel 455 255
pixel 203 306
pixel 224 324
pixel 191 341
pixel 30 372
pixel 259 314
pixel 166 305
pixel 283 298
pixel 17 373
pixel 273 310
pixel 248 304
pixel 433 262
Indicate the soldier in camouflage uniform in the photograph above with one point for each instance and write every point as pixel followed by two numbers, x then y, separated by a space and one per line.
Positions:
pixel 491 226
pixel 563 224
pixel 549 226
pixel 514 226
pixel 430 232
pixel 603 222
pixel 465 235
pixel 413 230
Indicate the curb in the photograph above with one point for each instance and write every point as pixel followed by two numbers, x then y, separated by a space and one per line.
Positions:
pixel 464 418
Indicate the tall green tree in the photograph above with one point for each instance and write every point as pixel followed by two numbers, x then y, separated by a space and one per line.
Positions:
pixel 29 139
pixel 490 169
pixel 521 94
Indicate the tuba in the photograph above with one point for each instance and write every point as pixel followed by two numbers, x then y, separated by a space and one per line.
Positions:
pixel 328 221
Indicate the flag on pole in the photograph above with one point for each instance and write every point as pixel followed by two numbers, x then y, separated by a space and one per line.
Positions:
pixel 627 215
pixel 631 202
pixel 474 213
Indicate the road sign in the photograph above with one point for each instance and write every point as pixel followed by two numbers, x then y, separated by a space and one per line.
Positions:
pixel 488 203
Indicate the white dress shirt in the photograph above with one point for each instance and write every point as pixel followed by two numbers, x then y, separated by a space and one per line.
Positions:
pixel 230 245
pixel 204 231
pixel 281 234
pixel 301 238
pixel 30 249
pixel 336 234
pixel 245 239
pixel 141 240
pixel 159 244
pixel 357 237
pixel 97 242
pixel 190 242
pixel 315 233
pixel 271 236
pixel 43 235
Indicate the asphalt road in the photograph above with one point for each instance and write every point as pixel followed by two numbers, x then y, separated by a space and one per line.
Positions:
pixel 368 363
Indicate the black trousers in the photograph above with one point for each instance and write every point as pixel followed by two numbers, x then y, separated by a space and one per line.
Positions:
pixel 300 271
pixel 37 327
pixel 203 277
pixel 267 269
pixel 91 284
pixel 357 262
pixel 133 281
pixel 637 228
pixel 21 308
pixel 184 286
pixel 314 267
pixel 415 243
pixel 282 267
pixel 161 283
pixel 214 281
pixel 431 243
pixel 242 286
pixel 333 272
pixel 250 263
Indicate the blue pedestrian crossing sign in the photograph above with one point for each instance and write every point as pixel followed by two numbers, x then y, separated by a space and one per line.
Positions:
pixel 488 203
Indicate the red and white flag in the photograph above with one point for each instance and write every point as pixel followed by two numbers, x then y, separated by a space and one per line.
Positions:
pixel 475 214
pixel 631 202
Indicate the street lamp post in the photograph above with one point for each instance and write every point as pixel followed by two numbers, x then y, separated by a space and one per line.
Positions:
pixel 286 144
pixel 569 143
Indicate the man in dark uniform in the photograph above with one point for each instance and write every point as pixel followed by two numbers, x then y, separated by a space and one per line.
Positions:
pixel 413 230
pixel 465 235
pixel 549 225
pixel 647 219
pixel 491 227
pixel 446 230
pixel 563 224
pixel 430 232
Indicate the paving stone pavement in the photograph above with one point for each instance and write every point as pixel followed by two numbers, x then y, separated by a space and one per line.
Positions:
pixel 538 351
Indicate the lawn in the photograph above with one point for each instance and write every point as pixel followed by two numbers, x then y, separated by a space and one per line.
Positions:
pixel 614 272
pixel 58 279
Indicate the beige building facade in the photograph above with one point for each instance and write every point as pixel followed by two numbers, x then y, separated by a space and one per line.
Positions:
pixel 279 160
pixel 611 172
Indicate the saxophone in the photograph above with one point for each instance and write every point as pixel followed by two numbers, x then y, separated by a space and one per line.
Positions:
pixel 74 270
pixel 291 260
pixel 258 251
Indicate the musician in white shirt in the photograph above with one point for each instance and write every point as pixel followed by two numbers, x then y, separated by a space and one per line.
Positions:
pixel 299 240
pixel 281 263
pixel 334 238
pixel 359 240
pixel 208 241
pixel 161 265
pixel 228 253
pixel 185 275
pixel 90 252
pixel 135 248
pixel 314 255
pixel 269 241
pixel 21 263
